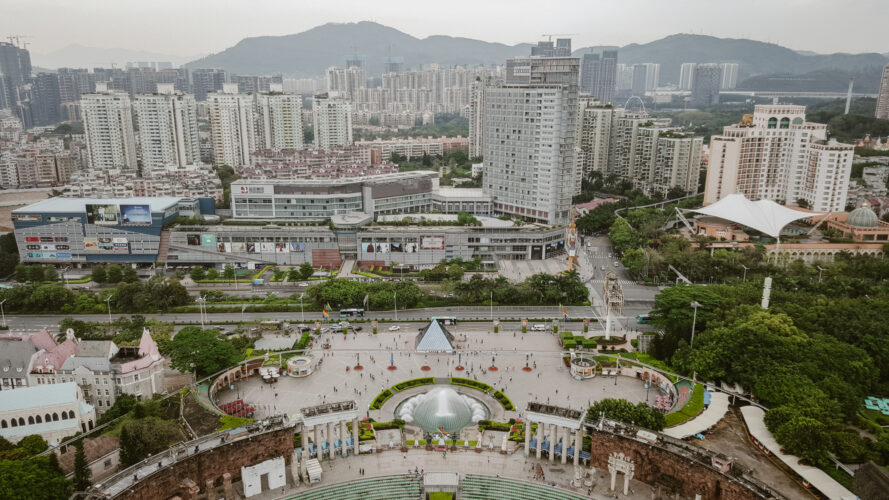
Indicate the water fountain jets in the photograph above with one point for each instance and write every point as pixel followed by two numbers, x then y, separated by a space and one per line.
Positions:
pixel 442 408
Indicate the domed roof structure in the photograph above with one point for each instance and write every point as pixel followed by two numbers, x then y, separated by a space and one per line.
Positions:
pixel 863 216
pixel 442 408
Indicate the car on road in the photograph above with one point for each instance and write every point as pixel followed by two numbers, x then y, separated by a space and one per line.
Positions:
pixel 357 328
pixel 394 328
pixel 539 327
pixel 603 268
pixel 616 264
pixel 344 324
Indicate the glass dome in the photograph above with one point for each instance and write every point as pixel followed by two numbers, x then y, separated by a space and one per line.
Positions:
pixel 442 408
pixel 863 217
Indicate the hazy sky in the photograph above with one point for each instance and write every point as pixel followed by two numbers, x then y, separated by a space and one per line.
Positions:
pixel 190 27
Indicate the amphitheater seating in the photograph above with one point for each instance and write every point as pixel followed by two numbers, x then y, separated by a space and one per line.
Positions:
pixel 486 487
pixel 238 408
pixel 401 487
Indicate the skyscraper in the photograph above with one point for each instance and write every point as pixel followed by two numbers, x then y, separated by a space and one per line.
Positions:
pixel 883 97
pixel 46 103
pixel 345 82
pixel 232 126
pixel 562 48
pixel 705 87
pixel 652 76
pixel 686 75
pixel 15 67
pixel 597 135
pixel 640 79
pixel 204 81
pixel 599 75
pixel 332 120
pixel 530 128
pixel 108 125
pixel 729 76
pixel 477 116
pixel 279 120
pixel 393 65
pixel 168 128
pixel 779 157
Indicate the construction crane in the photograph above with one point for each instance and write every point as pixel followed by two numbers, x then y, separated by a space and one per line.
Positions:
pixel 16 39
pixel 551 35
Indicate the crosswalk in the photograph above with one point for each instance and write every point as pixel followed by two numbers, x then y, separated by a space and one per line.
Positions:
pixel 601 282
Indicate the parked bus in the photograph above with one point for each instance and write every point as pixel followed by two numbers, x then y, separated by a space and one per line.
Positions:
pixel 643 318
pixel 351 313
pixel 448 320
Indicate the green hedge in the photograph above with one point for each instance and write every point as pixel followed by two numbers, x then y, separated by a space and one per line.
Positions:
pixel 494 426
pixel 474 384
pixel 303 341
pixel 691 409
pixel 380 399
pixel 507 404
pixel 569 344
pixel 382 426
pixel 407 384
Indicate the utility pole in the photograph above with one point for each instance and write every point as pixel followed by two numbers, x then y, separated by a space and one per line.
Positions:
pixel 3 313
pixel 395 300
pixel 694 320
pixel 108 301
pixel 745 272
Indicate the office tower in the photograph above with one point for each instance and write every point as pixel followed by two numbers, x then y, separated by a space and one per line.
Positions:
pixel 46 103
pixel 652 76
pixel 279 120
pixel 779 157
pixel 477 116
pixel 232 126
pixel 393 65
pixel 599 75
pixel 705 87
pixel 640 79
pixel 530 127
pixel 108 124
pixel 883 97
pixel 624 77
pixel 252 84
pixel 686 76
pixel 204 81
pixel 729 76
pixel 597 135
pixel 168 128
pixel 332 120
pixel 15 67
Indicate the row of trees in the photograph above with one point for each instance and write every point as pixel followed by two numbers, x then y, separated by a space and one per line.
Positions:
pixel 35 273
pixel 25 475
pixel 114 274
pixel 157 294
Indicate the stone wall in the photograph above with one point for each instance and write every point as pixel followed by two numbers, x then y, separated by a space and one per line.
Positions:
pixel 655 466
pixel 211 465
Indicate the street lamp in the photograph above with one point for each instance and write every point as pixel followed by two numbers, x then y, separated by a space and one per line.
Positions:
pixel 694 320
pixel 745 272
pixel 200 301
pixel 302 314
pixel 65 278
pixel 820 270
pixel 2 313
pixel 108 301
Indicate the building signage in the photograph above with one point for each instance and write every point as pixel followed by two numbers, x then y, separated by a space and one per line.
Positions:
pixel 32 239
pixel 91 243
pixel 193 240
pixel 252 189
pixel 208 239
pixel 54 218
pixel 137 215
pixel 102 214
pixel 432 243
pixel 27 218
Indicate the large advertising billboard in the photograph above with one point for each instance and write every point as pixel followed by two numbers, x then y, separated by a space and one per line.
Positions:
pixel 137 215
pixel 193 240
pixel 432 243
pixel 208 239
pixel 102 214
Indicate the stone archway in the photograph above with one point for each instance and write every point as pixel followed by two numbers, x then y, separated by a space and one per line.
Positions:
pixel 618 462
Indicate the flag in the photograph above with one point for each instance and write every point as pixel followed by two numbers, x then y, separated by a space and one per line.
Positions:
pixel 326 311
pixel 565 312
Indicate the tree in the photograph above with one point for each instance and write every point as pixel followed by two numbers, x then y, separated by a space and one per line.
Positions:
pixel 306 271
pixel 82 473
pixel 142 437
pixel 806 438
pixel 130 275
pixel 33 444
pixel 50 274
pixel 228 272
pixel 212 273
pixel 624 411
pixel 122 405
pixel 197 273
pixel 22 274
pixel 99 275
pixel 115 274
pixel 35 478
pixel 675 192
pixel 203 351
pixel 455 272
pixel 634 261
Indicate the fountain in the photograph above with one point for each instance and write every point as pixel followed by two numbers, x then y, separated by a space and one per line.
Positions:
pixel 442 410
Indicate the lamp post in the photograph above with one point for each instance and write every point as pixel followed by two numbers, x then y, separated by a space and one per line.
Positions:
pixel 745 272
pixel 108 301
pixel 2 313
pixel 492 306
pixel 694 320
pixel 302 314
pixel 65 278
pixel 395 301
pixel 200 301
pixel 820 270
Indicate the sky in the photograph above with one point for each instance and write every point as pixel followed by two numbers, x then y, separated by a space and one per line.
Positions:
pixel 199 27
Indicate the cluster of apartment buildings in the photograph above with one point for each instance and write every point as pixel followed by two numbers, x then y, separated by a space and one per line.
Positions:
pixel 27 160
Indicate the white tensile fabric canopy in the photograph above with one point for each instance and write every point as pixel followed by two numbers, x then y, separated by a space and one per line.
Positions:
pixel 765 216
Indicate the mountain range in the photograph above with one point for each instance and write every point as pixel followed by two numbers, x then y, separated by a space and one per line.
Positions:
pixel 81 56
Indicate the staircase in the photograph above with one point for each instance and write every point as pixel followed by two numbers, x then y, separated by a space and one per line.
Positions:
pixel 163 247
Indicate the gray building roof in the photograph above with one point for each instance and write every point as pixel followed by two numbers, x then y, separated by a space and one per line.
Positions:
pixel 67 205
pixel 38 396
pixel 15 358
pixel 435 337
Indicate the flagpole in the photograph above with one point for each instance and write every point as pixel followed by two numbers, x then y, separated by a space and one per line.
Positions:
pixel 395 300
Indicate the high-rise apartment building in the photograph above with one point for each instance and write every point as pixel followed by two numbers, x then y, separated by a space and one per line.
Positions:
pixel 652 76
pixel 168 128
pixel 706 84
pixel 729 76
pixel 561 48
pixel 393 64
pixel 597 135
pixel 332 120
pixel 279 120
pixel 598 75
pixel 15 68
pixel 108 125
pixel 46 103
pixel 232 126
pixel 633 146
pixel 624 77
pixel 477 116
pixel 883 97
pixel 640 79
pixel 780 157
pixel 345 82
pixel 252 84
pixel 686 75
pixel 204 81
pixel 530 127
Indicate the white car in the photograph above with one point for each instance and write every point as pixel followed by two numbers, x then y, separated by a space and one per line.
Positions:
pixel 344 324
pixel 539 327
pixel 394 328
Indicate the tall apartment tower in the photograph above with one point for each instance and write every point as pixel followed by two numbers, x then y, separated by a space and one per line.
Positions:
pixel 597 135
pixel 883 97
pixel 15 70
pixel 686 75
pixel 530 128
pixel 640 79
pixel 706 84
pixel 47 103
pixel 168 128
pixel 332 121
pixel 204 81
pixel 477 116
pixel 779 157
pixel 232 126
pixel 279 120
pixel 729 75
pixel 652 76
pixel 599 75
pixel 108 125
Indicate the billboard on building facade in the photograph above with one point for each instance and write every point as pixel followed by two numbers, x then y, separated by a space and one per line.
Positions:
pixel 410 248
pixel 239 247
pixel 102 214
pixel 208 239
pixel 106 244
pixel 251 247
pixel 193 240
pixel 137 215
pixel 297 246
pixel 432 243
pixel 266 247
pixel 282 248
pixel 91 243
